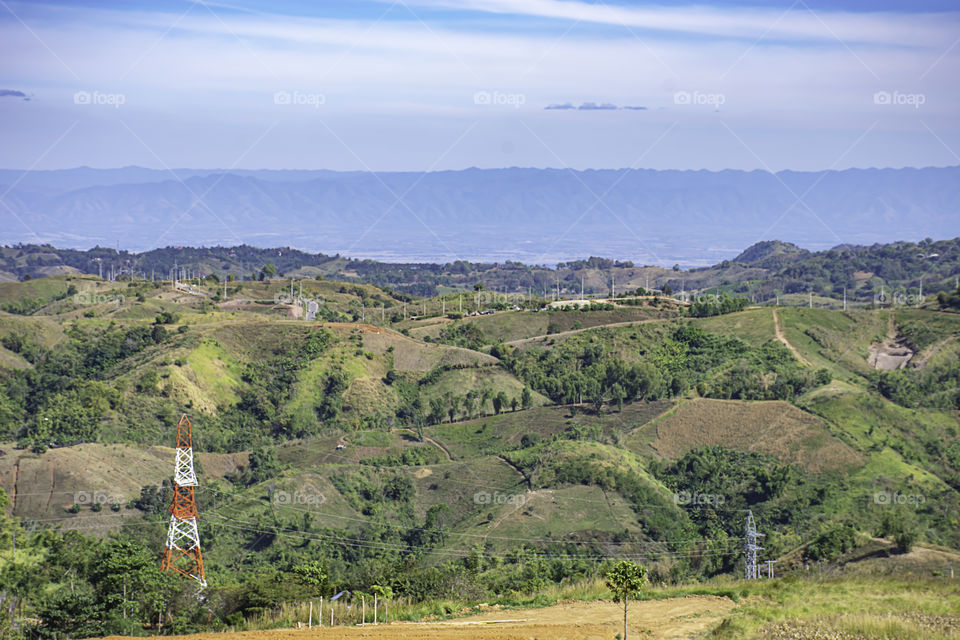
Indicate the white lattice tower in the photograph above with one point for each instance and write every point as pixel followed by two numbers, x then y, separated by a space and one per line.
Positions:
pixel 182 552
pixel 750 548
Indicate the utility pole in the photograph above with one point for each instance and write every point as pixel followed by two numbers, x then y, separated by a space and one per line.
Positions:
pixel 844 298
pixel 613 286
pixel 581 286
pixel 461 303
pixel 750 548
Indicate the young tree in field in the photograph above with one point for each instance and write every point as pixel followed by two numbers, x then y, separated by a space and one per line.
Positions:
pixel 485 395
pixel 454 407
pixel 618 394
pixel 625 580
pixel 514 403
pixel 526 398
pixel 499 401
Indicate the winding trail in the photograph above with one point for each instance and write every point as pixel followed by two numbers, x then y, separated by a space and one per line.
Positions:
pixel 427 438
pixel 782 338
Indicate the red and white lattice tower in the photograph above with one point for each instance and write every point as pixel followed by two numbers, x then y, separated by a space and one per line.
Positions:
pixel 182 553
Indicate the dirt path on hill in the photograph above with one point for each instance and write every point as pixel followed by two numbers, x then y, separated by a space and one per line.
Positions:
pixel 782 338
pixel 892 353
pixel 427 438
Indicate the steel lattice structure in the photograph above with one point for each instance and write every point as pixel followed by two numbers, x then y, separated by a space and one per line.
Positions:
pixel 182 552
pixel 750 548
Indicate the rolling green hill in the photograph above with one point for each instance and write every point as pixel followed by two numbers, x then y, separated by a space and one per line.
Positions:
pixel 483 455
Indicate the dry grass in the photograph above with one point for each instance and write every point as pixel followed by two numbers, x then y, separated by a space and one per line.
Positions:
pixel 777 428
pixel 857 626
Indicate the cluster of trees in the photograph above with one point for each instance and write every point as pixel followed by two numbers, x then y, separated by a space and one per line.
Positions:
pixel 711 305
pixel 949 299
pixel 936 387
pixel 66 393
pixel 666 363
pixel 451 407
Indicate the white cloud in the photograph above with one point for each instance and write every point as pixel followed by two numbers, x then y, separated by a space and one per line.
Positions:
pixel 213 72
pixel 799 23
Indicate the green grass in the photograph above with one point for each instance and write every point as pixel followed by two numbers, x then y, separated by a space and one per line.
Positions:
pixel 217 373
pixel 754 326
pixel 460 381
pixel 766 603
pixel 495 434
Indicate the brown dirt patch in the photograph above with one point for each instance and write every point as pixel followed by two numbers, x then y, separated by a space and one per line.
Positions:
pixel 653 620
pixel 777 428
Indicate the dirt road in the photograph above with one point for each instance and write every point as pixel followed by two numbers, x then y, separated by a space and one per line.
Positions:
pixel 782 338
pixel 670 619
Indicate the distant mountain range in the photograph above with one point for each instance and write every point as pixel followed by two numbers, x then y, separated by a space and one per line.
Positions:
pixel 694 218
pixel 762 271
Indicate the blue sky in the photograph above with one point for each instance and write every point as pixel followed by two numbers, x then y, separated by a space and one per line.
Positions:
pixel 449 84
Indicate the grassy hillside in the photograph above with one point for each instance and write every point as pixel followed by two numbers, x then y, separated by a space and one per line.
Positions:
pixel 474 456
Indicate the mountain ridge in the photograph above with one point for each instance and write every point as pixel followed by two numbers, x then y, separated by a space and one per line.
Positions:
pixel 694 218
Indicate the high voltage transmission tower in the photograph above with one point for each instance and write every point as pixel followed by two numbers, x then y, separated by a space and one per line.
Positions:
pixel 182 552
pixel 750 548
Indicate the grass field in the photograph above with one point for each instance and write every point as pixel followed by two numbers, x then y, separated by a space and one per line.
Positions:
pixel 777 428
pixel 791 608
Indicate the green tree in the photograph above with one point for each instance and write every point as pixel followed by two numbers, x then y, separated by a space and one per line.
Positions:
pixel 625 580
pixel 263 465
pixel 618 394
pixel 312 575
pixel 499 401
pixel 267 272
pixel 526 398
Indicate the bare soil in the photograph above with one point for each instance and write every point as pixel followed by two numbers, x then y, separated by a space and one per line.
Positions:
pixel 671 619
pixel 892 353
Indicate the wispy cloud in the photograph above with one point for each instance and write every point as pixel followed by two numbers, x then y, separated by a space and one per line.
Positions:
pixel 198 77
pixel 901 28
